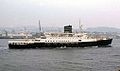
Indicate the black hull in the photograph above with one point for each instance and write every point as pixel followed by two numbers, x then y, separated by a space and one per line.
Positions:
pixel 56 45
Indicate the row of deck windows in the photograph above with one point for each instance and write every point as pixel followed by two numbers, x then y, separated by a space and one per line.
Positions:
pixel 19 43
pixel 57 41
pixel 62 38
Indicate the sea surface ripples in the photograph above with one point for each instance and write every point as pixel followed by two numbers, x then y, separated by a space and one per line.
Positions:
pixel 69 59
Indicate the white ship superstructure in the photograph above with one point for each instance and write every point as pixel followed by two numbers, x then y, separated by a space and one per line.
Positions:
pixel 67 37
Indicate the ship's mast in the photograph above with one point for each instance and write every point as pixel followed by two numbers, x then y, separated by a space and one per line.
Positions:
pixel 26 33
pixel 39 27
pixel 80 26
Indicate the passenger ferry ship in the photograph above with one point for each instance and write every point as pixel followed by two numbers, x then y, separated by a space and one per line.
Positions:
pixel 61 39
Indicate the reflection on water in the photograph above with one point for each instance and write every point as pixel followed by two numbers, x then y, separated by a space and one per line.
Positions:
pixel 78 59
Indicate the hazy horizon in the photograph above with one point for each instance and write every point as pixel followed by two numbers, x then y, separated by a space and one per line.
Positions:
pixel 57 13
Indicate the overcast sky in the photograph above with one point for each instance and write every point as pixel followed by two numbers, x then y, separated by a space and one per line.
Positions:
pixel 55 13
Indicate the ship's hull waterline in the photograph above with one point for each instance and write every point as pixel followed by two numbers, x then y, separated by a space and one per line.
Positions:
pixel 59 45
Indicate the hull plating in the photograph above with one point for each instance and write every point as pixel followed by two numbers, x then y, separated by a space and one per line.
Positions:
pixel 55 45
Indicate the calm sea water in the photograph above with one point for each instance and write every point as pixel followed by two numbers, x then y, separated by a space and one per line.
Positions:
pixel 78 59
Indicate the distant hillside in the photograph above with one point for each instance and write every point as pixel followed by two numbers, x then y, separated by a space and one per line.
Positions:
pixel 103 29
pixel 59 29
pixel 31 29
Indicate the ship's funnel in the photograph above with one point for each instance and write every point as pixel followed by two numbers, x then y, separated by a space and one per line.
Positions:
pixel 68 29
